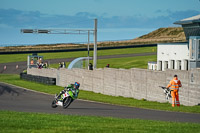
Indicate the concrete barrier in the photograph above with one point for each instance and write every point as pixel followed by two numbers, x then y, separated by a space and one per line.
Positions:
pixel 134 83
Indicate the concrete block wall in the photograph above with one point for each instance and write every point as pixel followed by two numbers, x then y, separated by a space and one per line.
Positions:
pixel 134 83
pixel 138 84
pixel 109 81
pixel 123 83
pixel 194 86
pixel 98 81
pixel 87 80
pixel 52 73
pixel 154 79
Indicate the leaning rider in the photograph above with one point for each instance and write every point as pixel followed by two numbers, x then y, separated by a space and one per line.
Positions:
pixel 73 87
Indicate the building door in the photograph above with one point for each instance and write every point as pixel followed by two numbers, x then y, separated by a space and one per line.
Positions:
pixel 172 64
pixel 160 65
pixel 166 65
pixel 178 64
pixel 185 64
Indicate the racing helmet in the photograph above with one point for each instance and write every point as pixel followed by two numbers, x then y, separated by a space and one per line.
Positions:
pixel 76 85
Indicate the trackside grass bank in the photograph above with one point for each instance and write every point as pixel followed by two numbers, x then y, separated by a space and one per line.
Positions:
pixel 15 80
pixel 125 63
pixel 5 58
pixel 19 122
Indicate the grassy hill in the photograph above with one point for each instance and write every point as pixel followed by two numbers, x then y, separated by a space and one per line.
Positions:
pixel 172 34
pixel 161 35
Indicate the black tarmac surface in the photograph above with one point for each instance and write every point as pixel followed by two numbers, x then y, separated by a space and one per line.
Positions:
pixel 19 99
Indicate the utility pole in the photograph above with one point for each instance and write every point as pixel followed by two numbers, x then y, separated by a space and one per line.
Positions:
pixel 95 45
pixel 88 48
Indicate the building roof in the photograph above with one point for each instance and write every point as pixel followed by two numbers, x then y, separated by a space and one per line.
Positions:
pixel 194 19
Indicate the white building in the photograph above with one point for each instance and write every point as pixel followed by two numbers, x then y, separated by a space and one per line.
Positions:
pixel 152 65
pixel 172 56
pixel 181 56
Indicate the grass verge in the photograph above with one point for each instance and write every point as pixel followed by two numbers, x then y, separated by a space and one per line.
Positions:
pixel 14 79
pixel 126 62
pixel 5 58
pixel 50 123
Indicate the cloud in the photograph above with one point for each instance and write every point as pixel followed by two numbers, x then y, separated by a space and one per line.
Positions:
pixel 17 18
pixel 158 11
pixel 35 19
pixel 86 15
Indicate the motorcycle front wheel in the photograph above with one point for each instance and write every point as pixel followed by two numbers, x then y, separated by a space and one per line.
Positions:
pixel 66 102
pixel 53 105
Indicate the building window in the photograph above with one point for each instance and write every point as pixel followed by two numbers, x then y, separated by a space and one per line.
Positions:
pixel 185 64
pixel 192 48
pixel 166 65
pixel 172 66
pixel 160 65
pixel 178 64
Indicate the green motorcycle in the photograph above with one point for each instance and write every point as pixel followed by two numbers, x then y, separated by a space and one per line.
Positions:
pixel 66 96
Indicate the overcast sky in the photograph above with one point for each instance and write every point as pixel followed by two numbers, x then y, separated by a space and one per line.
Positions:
pixel 80 13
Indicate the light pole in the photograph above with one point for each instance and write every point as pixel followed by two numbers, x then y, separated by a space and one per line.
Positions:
pixel 95 44
pixel 71 31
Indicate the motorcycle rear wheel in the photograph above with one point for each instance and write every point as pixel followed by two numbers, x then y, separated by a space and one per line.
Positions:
pixel 66 102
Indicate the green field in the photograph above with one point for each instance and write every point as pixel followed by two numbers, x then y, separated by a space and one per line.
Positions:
pixel 14 79
pixel 23 57
pixel 19 122
pixel 126 62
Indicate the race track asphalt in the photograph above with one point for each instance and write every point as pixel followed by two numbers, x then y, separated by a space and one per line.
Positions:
pixel 20 99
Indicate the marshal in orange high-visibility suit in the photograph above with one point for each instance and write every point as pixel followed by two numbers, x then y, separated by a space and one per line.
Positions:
pixel 175 84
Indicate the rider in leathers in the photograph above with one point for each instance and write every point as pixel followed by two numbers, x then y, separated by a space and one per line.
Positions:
pixel 73 87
